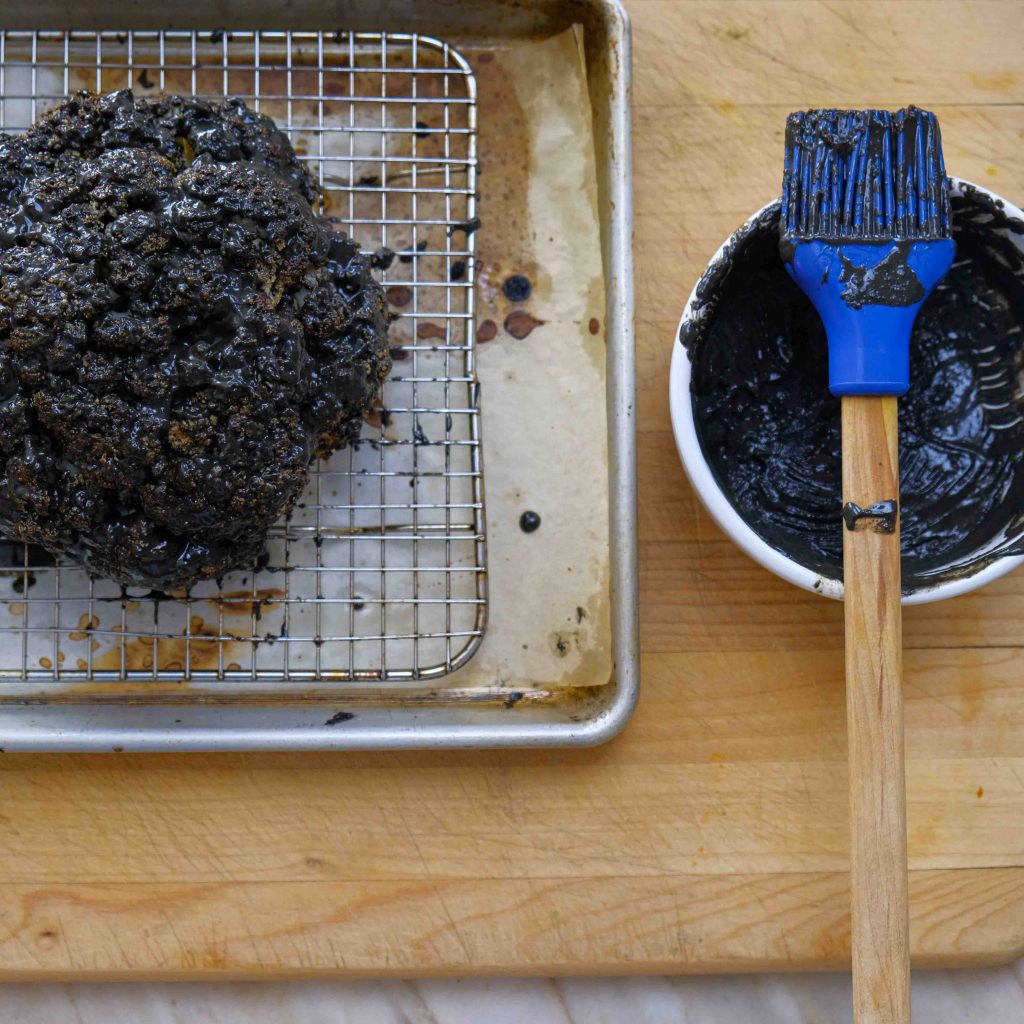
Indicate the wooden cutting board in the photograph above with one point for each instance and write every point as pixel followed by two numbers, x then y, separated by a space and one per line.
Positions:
pixel 712 834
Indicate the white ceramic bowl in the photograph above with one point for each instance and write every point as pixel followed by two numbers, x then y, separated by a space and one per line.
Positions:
pixel 721 509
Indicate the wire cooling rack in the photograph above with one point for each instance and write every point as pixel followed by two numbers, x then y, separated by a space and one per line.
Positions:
pixel 379 573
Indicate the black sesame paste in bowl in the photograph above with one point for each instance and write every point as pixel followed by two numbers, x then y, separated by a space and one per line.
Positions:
pixel 769 427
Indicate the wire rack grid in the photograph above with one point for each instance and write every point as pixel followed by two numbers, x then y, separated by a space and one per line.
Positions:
pixel 380 571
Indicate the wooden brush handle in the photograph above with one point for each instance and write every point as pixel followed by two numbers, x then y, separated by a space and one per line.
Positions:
pixel 874 713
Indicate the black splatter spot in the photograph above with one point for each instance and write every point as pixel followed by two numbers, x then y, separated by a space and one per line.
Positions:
pixel 341 716
pixel 529 521
pixel 517 288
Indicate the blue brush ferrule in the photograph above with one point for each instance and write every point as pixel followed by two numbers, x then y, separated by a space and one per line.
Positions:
pixel 868 296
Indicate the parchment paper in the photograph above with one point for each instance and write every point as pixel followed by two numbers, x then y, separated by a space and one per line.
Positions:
pixel 544 404
pixel 541 364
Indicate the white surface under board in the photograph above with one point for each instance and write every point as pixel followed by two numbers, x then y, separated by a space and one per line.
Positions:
pixel 992 996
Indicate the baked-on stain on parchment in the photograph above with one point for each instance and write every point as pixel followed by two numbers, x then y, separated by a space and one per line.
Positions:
pixel 172 653
pixel 505 245
pixel 770 428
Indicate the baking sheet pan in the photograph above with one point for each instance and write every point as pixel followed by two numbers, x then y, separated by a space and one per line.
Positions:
pixel 589 640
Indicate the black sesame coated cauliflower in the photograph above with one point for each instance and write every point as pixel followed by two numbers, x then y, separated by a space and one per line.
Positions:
pixel 180 335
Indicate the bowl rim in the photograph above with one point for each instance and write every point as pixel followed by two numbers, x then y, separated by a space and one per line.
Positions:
pixel 721 509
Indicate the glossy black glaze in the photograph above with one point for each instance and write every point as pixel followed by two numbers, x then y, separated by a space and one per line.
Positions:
pixel 180 335
pixel 529 521
pixel 770 429
pixel 890 282
pixel 880 517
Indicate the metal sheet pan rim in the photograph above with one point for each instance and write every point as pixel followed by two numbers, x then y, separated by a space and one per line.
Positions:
pixel 38 728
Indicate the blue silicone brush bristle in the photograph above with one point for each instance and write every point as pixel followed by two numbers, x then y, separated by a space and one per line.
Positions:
pixel 866 233
pixel 865 175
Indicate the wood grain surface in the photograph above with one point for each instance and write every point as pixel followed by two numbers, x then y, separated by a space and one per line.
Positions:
pixel 712 835
pixel 873 641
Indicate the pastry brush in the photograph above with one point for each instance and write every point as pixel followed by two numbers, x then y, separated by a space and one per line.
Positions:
pixel 866 235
